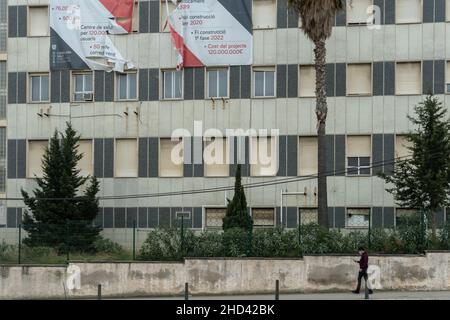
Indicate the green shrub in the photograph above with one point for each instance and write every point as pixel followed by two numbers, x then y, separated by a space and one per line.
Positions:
pixel 103 245
pixel 236 242
pixel 208 244
pixel 410 235
pixel 444 237
pixel 165 244
pixel 7 252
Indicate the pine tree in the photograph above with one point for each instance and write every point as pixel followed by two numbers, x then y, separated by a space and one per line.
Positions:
pixel 422 181
pixel 57 215
pixel 237 215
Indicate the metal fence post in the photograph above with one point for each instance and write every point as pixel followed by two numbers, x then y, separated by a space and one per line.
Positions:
pixel 300 249
pixel 249 242
pixel 277 290
pixel 67 241
pixel 366 290
pixel 99 292
pixel 186 291
pixel 20 244
pixel 369 233
pixel 134 239
pixel 182 235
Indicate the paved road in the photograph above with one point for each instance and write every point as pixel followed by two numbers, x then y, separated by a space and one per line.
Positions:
pixel 386 295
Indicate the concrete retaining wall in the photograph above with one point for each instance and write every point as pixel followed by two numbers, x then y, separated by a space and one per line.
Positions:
pixel 223 276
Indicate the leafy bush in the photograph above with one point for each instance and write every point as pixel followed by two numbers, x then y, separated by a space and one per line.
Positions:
pixel 107 246
pixel 165 244
pixel 7 252
pixel 236 242
pixel 410 234
pixel 208 244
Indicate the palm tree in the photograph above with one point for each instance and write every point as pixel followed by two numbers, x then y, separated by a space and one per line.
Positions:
pixel 317 17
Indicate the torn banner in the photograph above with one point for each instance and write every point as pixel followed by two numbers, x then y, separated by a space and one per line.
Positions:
pixel 80 34
pixel 212 32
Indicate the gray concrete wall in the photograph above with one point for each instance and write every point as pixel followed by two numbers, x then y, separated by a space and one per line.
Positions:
pixel 224 276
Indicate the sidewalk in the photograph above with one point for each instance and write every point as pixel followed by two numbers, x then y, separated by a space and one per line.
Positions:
pixel 381 295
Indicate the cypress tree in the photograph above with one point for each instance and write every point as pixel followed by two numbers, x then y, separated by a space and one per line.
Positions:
pixel 422 181
pixel 58 216
pixel 237 215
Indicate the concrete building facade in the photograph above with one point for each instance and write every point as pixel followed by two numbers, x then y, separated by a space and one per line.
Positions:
pixel 375 77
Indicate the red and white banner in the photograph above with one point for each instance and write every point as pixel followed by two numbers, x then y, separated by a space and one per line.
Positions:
pixel 80 32
pixel 212 32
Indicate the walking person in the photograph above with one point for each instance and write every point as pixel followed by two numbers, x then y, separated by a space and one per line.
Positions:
pixel 363 266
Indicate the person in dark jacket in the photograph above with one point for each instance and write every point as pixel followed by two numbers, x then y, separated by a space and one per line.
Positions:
pixel 363 266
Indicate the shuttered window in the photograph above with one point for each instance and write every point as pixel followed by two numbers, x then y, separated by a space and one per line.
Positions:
pixel 308 215
pixel 359 79
pixel 126 160
pixel 38 21
pixel 214 217
pixel 357 12
pixel 307 156
pixel 307 82
pixel 359 152
pixel 447 77
pixel 408 78
pixel 264 14
pixel 216 157
pixel 263 217
pixel 170 158
pixel 263 156
pixel 163 15
pixel 36 151
pixel 447 10
pixel 401 147
pixel 85 165
pixel 358 218
pixel 408 11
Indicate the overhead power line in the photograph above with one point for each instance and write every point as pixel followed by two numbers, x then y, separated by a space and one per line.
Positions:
pixel 218 189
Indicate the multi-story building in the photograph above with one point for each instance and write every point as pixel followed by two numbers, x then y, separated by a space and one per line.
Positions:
pixel 375 76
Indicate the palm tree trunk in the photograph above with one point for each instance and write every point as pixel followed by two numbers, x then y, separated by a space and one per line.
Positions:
pixel 321 113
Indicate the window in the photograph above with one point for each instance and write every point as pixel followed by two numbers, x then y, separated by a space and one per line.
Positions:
pixel 264 82
pixel 447 10
pixel 307 81
pixel 403 213
pixel 447 77
pixel 83 87
pixel 39 88
pixel 358 218
pixel 216 158
pixel 172 84
pixel 307 156
pixel 38 21
pixel 3 88
pixel 357 12
pixel 163 15
pixel 263 156
pixel 127 86
pixel 264 14
pixel 135 19
pixel 408 78
pixel 126 159
pixel 358 155
pixel 308 215
pixel 85 165
pixel 401 147
pixel 263 217
pixel 214 217
pixel 170 158
pixel 359 79
pixel 408 11
pixel 217 83
pixel 36 151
